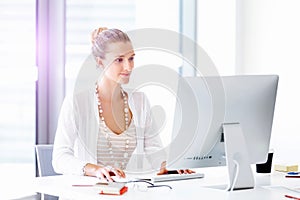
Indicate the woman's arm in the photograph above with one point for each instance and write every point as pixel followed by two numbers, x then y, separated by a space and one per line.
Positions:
pixel 153 145
pixel 63 159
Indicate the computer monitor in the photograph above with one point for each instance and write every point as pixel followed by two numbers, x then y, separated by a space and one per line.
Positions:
pixel 222 121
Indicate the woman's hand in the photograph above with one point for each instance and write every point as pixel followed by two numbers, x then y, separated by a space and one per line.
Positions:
pixel 163 170
pixel 103 172
pixel 179 171
pixel 185 171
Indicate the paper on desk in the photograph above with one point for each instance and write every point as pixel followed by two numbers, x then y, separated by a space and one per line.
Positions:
pixel 295 191
pixel 130 179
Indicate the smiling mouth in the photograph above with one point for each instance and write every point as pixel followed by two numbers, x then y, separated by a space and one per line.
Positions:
pixel 125 74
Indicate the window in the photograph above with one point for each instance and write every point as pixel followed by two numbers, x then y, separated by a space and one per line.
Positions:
pixel 17 89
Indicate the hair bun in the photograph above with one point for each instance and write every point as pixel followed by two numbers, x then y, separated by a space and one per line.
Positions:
pixel 96 32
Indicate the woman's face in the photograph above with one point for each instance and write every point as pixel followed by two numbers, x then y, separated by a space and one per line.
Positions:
pixel 118 62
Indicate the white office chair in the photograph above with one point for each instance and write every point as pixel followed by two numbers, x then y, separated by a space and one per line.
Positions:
pixel 44 162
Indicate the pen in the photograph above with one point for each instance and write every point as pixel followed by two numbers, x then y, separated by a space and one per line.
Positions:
pixel 291 197
pixel 292 176
pixel 83 185
pixel 293 173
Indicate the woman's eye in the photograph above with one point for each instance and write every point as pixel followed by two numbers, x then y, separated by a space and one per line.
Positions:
pixel 119 59
pixel 131 58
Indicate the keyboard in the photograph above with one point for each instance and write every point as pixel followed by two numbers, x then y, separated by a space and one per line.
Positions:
pixel 176 177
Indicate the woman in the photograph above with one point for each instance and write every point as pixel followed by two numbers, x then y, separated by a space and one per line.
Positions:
pixel 104 130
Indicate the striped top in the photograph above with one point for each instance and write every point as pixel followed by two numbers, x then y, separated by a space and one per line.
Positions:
pixel 118 156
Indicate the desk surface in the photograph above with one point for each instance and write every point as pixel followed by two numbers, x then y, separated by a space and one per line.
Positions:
pixel 268 186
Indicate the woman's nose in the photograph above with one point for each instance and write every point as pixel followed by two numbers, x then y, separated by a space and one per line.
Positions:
pixel 128 65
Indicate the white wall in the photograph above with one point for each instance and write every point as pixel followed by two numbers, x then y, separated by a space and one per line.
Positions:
pixel 217 32
pixel 159 14
pixel 269 42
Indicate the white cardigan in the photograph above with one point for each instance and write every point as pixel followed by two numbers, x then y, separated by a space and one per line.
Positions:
pixel 75 142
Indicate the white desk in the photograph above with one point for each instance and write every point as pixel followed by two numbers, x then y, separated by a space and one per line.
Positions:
pixel 187 189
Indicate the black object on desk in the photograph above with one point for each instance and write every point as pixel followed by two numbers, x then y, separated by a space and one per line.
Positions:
pixel 267 166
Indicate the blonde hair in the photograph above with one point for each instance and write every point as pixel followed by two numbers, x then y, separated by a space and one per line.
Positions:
pixel 103 36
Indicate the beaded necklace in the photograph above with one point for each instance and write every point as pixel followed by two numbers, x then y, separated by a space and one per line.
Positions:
pixel 106 134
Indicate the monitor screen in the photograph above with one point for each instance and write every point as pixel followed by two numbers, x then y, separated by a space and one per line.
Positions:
pixel 206 104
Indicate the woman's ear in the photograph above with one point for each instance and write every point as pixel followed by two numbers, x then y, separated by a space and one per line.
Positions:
pixel 99 62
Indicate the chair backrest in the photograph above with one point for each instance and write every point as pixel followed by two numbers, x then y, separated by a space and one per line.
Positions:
pixel 44 159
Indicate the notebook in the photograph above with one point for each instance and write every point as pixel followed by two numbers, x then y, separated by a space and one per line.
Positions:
pixel 111 188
